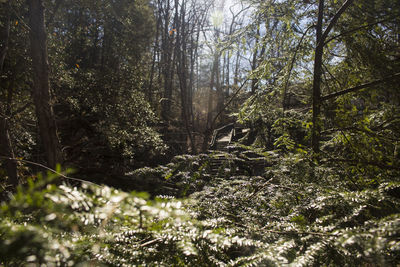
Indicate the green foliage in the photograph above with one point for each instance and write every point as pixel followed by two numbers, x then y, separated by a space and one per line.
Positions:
pixel 101 57
pixel 184 175
pixel 267 203
pixel 282 216
pixel 65 226
pixel 98 57
pixel 302 222
pixel 359 129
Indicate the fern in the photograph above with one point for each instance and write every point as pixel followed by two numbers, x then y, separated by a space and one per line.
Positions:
pixel 282 217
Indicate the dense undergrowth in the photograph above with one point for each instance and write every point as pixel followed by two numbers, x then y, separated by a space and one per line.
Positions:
pixel 283 216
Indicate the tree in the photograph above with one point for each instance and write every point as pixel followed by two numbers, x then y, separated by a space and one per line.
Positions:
pixel 319 50
pixel 101 57
pixel 316 92
pixel 41 85
pixel 173 76
pixel 6 99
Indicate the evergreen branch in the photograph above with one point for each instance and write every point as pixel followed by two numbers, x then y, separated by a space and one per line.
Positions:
pixel 357 29
pixel 287 232
pixel 359 87
pixel 365 162
pixel 353 128
pixel 293 60
pixel 298 232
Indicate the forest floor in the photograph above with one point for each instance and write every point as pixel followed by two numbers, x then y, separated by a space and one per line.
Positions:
pixel 238 207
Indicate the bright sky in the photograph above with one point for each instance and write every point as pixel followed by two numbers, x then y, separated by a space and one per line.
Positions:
pixel 223 13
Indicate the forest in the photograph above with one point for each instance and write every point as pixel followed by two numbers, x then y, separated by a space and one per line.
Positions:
pixel 200 133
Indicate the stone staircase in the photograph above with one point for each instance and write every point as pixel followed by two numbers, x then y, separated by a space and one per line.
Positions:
pixel 228 159
pixel 225 135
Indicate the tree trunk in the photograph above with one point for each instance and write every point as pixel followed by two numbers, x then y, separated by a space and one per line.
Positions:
pixel 7 151
pixel 316 99
pixel 41 85
pixel 254 81
pixel 209 124
pixel 236 73
pixel 167 54
pixel 227 82
pixel 181 44
pixel 5 141
pixel 5 35
pixel 153 63
pixel 210 108
pixel 319 50
pixel 218 87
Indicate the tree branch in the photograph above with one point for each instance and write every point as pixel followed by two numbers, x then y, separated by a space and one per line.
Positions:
pixel 357 29
pixel 359 87
pixel 228 103
pixel 335 19
pixel 292 63
pixel 47 168
pixel 355 162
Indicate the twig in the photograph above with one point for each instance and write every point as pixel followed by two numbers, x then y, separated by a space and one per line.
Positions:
pixel 49 169
pixel 21 20
pixel 150 242
pixel 290 232
pixel 297 233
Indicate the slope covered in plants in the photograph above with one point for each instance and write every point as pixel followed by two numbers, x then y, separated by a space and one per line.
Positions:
pixel 284 215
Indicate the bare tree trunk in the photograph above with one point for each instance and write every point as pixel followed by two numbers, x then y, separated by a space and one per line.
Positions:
pixel 5 141
pixel 227 82
pixel 41 84
pixel 254 81
pixel 166 50
pixel 236 73
pixel 218 87
pixel 316 99
pixel 182 70
pixel 191 79
pixel 153 63
pixel 193 59
pixel 223 68
pixel 209 124
pixel 7 151
pixel 211 91
pixel 5 35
